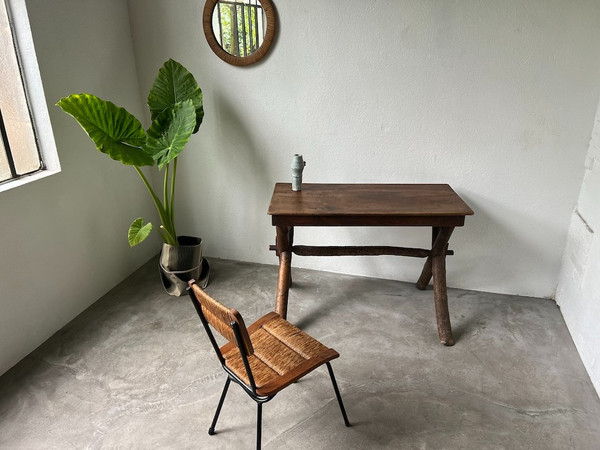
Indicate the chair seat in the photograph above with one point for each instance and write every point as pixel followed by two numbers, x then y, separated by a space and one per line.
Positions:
pixel 282 354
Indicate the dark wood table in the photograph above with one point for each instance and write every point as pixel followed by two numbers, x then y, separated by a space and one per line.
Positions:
pixel 332 205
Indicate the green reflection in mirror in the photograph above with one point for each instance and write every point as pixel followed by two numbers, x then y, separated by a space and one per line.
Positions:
pixel 239 26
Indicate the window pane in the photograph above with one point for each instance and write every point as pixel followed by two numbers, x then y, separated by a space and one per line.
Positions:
pixel 13 104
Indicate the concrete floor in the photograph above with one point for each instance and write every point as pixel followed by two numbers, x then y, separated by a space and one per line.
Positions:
pixel 135 370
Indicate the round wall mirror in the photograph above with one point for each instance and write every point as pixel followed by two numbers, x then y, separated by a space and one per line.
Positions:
pixel 240 32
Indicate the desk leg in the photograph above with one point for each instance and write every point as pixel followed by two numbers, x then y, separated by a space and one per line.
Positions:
pixel 284 251
pixel 290 244
pixel 283 285
pixel 440 291
pixel 427 271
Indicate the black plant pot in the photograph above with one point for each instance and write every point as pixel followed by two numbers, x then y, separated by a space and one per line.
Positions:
pixel 180 263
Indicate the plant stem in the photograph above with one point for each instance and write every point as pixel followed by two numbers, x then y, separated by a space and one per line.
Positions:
pixel 162 235
pixel 171 240
pixel 167 224
pixel 165 184
pixel 172 201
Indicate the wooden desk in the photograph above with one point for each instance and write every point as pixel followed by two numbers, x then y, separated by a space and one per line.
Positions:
pixel 425 205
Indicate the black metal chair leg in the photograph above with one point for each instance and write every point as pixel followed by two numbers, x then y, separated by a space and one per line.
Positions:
pixel 258 425
pixel 211 430
pixel 337 394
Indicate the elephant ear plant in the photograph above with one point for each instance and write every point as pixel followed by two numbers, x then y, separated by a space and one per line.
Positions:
pixel 175 103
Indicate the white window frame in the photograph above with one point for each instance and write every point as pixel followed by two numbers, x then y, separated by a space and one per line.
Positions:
pixel 36 99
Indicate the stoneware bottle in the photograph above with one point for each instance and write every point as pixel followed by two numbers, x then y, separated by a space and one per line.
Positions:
pixel 297 167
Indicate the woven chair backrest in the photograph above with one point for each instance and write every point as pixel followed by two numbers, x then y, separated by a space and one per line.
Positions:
pixel 222 318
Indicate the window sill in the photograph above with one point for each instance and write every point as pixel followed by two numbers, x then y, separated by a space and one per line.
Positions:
pixel 25 179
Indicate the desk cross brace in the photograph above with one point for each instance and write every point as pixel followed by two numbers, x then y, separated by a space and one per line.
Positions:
pixel 310 250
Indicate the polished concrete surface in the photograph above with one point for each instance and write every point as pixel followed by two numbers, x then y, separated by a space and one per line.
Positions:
pixel 135 370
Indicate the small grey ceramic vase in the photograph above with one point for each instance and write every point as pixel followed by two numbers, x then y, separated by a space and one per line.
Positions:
pixel 297 167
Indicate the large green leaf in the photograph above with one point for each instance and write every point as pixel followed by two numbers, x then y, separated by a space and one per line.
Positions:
pixel 113 129
pixel 174 84
pixel 169 133
pixel 138 231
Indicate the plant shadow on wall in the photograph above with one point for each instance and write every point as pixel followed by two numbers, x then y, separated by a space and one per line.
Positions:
pixel 175 104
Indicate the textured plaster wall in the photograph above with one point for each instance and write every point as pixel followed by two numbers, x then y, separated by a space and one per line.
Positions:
pixel 495 98
pixel 64 238
pixel 578 291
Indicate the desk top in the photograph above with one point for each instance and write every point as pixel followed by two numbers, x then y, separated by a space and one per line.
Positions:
pixel 367 204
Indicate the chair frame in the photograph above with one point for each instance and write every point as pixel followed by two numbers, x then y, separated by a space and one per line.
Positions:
pixel 231 376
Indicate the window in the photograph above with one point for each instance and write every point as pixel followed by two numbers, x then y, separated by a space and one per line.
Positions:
pixel 27 149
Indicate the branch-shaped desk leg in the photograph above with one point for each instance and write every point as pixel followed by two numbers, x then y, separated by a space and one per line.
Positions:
pixel 284 241
pixel 283 283
pixel 435 267
pixel 427 271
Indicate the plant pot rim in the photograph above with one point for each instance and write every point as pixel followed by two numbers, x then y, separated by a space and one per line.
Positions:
pixel 186 241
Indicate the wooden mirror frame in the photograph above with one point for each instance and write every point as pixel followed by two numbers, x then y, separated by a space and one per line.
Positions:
pixel 269 10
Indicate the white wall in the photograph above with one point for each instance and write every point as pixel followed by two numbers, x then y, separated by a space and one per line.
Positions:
pixel 578 293
pixel 64 238
pixel 495 98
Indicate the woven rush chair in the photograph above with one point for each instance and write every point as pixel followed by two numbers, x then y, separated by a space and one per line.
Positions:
pixel 264 358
